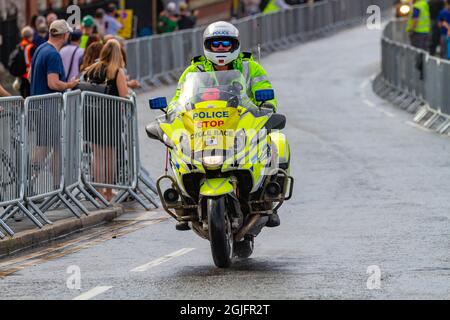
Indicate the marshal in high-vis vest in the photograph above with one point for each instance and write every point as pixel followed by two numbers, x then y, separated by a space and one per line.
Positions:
pixel 419 24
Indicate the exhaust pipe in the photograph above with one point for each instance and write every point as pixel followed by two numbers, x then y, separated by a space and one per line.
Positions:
pixel 254 220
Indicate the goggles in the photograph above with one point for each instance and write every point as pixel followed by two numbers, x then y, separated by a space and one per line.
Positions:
pixel 224 43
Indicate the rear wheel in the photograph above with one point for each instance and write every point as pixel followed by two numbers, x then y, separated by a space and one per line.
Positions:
pixel 220 235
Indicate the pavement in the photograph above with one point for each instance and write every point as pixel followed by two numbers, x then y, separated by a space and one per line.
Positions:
pixel 369 218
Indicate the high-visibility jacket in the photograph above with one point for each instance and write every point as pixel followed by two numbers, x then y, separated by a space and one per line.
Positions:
pixel 424 20
pixel 28 49
pixel 254 74
pixel 272 6
pixel 84 40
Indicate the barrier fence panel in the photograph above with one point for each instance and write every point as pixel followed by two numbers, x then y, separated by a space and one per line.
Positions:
pixel 132 53
pixel 11 153
pixel 143 179
pixel 72 159
pixel 445 65
pixel 42 161
pixel 45 152
pixel 43 136
pixel 52 145
pixel 109 155
pixel 431 84
pixel 418 78
pixel 145 65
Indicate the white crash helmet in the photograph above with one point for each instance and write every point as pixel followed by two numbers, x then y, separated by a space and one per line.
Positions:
pixel 221 30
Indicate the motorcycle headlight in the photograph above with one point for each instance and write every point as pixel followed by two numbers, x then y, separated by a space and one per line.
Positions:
pixel 405 9
pixel 212 161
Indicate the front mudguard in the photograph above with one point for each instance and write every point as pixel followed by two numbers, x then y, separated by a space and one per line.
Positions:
pixel 216 187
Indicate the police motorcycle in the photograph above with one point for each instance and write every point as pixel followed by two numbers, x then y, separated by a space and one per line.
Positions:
pixel 230 162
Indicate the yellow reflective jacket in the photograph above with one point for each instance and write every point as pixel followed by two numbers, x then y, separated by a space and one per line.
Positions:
pixel 424 20
pixel 254 74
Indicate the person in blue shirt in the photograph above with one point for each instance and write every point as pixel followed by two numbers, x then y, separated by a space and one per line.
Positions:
pixel 40 35
pixel 46 76
pixel 444 21
pixel 47 69
pixel 112 25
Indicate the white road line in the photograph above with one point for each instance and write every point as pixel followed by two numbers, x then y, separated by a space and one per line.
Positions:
pixel 92 293
pixel 415 125
pixel 389 114
pixel 158 261
pixel 364 84
pixel 369 103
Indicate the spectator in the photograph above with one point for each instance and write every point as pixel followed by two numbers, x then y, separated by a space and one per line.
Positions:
pixel 444 24
pixel 91 55
pixel 167 20
pixel 419 24
pixel 87 26
pixel 47 71
pixel 115 73
pixel 72 55
pixel 93 38
pixel 41 34
pixel 187 19
pixel 51 17
pixel 47 75
pixel 436 7
pixel 3 92
pixel 28 48
pixel 110 70
pixel 99 19
pixel 252 7
pixel 133 84
pixel 112 25
pixel 274 6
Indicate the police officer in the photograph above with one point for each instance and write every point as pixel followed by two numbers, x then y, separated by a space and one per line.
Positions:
pixel 221 48
pixel 419 24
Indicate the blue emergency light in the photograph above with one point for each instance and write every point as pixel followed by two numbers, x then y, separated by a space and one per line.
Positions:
pixel 158 103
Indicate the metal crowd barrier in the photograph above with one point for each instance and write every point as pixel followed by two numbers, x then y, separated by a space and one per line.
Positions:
pixel 162 57
pixel 110 147
pixel 11 153
pixel 41 163
pixel 54 145
pixel 413 79
pixel 72 157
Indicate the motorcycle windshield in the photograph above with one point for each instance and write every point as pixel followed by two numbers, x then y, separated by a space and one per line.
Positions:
pixel 226 86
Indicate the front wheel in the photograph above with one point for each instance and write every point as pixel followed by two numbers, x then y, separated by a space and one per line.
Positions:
pixel 220 234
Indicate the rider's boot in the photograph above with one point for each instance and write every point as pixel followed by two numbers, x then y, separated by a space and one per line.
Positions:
pixel 182 226
pixel 274 220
